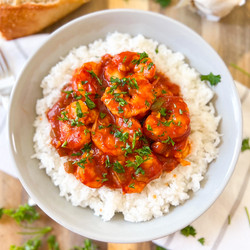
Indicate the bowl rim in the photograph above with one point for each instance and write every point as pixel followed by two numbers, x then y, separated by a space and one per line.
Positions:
pixel 141 237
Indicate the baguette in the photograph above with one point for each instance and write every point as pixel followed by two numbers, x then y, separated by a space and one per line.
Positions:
pixel 20 18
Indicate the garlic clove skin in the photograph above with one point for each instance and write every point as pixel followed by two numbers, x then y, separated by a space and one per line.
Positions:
pixel 213 10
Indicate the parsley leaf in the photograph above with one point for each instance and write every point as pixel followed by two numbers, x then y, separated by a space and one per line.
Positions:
pixel 202 241
pixel 102 115
pixel 163 111
pixel 163 3
pixel 118 167
pixel 92 73
pixel 32 244
pixel 24 213
pixel 88 101
pixel 213 79
pixel 88 245
pixel 79 112
pixel 245 145
pixel 188 230
pixel 52 243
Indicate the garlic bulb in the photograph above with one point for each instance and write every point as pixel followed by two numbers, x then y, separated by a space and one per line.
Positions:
pixel 212 9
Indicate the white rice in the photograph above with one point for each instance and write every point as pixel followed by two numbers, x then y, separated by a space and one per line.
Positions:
pixel 171 189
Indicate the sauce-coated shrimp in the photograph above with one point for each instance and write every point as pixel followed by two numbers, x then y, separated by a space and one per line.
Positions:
pixel 131 96
pixel 91 170
pixel 116 138
pixel 85 79
pixel 128 63
pixel 143 171
pixel 170 122
pixel 74 124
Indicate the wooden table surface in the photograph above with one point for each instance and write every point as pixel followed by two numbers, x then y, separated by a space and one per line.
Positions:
pixel 230 38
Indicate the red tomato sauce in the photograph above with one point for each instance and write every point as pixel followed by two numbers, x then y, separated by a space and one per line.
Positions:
pixel 121 123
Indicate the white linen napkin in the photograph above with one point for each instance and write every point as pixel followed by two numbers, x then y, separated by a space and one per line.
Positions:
pixel 214 224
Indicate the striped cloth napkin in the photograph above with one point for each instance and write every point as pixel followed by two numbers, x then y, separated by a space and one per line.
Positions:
pixel 224 226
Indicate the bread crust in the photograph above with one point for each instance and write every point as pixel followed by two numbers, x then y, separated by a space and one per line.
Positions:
pixel 25 19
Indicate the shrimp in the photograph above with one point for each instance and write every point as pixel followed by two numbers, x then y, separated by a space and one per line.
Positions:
pixel 74 125
pixel 144 168
pixel 91 170
pixel 169 121
pixel 129 62
pixel 85 79
pixel 129 97
pixel 116 138
pixel 79 111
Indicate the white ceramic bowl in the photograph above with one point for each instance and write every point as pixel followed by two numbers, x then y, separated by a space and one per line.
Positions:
pixel 22 115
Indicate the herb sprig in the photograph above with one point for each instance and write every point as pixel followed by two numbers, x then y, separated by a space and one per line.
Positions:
pixel 211 78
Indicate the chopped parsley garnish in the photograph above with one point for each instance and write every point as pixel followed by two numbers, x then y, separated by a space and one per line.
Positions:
pixel 122 136
pixel 136 134
pixel 127 149
pixel 120 93
pixel 147 103
pixel 124 59
pixel 180 111
pixel 118 167
pixel 132 185
pixel 64 118
pixel 130 124
pixel 104 175
pixel 150 65
pixel 144 151
pixel 245 144
pixel 33 244
pixel 136 164
pixel 64 144
pixel 213 79
pixel 88 101
pixel 68 93
pixel 149 128
pixel 107 162
pixel 139 171
pixel 163 111
pixel 188 230
pixel 163 3
pixel 84 82
pixel 167 123
pixel 120 110
pixel 86 131
pixel 78 97
pixel 121 101
pixel 79 112
pixel 52 243
pixel 24 213
pixel 169 141
pixel 142 56
pixel 201 240
pixel 76 122
pixel 156 50
pixel 92 73
pixel 163 91
pixel 81 163
pixel 102 115
pixel 87 147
